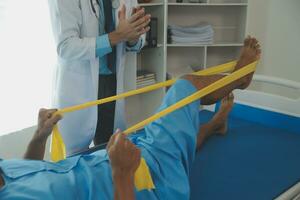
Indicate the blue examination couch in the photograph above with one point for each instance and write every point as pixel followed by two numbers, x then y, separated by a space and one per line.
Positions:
pixel 258 159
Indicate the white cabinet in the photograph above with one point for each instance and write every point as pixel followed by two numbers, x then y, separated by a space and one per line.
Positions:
pixel 228 19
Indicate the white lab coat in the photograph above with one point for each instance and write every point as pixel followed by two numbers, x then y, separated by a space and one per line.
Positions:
pixel 75 30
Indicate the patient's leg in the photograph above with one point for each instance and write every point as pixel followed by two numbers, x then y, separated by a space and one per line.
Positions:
pixel 250 53
pixel 218 124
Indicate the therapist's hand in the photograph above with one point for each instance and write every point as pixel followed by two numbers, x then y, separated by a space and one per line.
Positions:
pixel 134 11
pixel 130 29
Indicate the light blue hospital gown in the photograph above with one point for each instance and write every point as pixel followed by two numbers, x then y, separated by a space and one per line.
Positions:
pixel 168 145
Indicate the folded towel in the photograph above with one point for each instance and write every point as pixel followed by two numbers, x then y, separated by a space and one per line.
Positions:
pixel 200 33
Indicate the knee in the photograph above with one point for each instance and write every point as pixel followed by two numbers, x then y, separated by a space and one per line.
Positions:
pixel 199 82
pixel 194 80
pixel 188 77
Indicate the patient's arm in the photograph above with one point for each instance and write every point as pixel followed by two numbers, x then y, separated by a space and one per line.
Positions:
pixel 124 186
pixel 46 122
pixel 1 182
pixel 125 158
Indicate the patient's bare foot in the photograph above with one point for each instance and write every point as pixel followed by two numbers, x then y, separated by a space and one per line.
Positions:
pixel 250 52
pixel 219 120
pixel 218 124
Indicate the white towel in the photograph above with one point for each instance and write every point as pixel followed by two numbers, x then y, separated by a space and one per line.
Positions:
pixel 200 34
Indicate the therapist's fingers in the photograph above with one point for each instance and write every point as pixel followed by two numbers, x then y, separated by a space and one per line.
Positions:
pixel 137 15
pixel 135 9
pixel 142 20
pixel 122 12
pixel 144 30
pixel 143 25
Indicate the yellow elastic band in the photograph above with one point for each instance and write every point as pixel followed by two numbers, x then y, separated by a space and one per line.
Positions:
pixel 197 95
pixel 210 71
pixel 143 178
pixel 57 148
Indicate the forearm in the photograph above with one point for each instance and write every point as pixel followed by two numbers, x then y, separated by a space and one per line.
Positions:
pixel 135 46
pixel 115 38
pixel 132 43
pixel 124 186
pixel 36 148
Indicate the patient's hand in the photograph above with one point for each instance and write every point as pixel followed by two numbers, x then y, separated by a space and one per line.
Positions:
pixel 1 181
pixel 124 155
pixel 37 145
pixel 125 158
pixel 46 121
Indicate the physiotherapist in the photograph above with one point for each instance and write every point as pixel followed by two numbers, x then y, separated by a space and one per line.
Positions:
pixel 92 40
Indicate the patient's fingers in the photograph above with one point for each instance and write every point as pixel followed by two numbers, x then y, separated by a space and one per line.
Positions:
pixel 42 112
pixel 137 156
pixel 47 119
pixel 54 119
pixel 128 145
pixel 50 112
pixel 112 139
pixel 120 139
pixel 46 113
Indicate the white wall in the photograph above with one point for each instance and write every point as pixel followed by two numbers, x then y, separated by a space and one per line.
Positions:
pixel 14 144
pixel 27 60
pixel 276 24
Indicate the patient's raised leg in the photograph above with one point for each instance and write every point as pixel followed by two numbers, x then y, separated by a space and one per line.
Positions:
pixel 250 53
pixel 218 124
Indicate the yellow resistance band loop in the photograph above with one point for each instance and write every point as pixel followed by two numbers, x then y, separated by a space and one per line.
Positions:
pixel 197 95
pixel 143 178
pixel 210 71
pixel 57 146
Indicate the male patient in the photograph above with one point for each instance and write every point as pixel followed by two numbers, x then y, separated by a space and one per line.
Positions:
pixel 167 144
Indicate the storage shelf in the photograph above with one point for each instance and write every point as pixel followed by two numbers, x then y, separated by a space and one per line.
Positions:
pixel 210 45
pixel 228 20
pixel 150 4
pixel 208 4
pixel 158 46
pixel 226 45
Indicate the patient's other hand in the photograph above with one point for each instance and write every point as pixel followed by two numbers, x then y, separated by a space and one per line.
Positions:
pixel 124 156
pixel 46 122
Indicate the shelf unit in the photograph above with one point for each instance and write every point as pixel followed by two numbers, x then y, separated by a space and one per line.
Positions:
pixel 228 19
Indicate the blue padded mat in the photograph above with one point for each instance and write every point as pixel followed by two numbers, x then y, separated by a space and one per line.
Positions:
pixel 252 162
